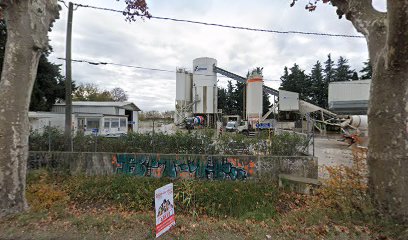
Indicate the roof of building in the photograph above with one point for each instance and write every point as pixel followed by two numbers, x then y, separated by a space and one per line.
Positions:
pixel 126 105
pixel 363 81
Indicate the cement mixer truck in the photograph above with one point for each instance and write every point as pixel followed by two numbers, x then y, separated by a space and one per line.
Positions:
pixel 355 129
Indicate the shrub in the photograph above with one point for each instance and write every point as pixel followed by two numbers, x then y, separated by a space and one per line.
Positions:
pixel 42 193
pixel 212 198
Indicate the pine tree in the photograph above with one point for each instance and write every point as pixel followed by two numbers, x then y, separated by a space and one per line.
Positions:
pixel 239 98
pixel 266 103
pixel 284 79
pixel 318 86
pixel 222 99
pixel 343 71
pixel 367 71
pixel 354 76
pixel 230 101
pixel 296 81
pixel 328 77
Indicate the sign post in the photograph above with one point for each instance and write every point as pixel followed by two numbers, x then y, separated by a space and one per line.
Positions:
pixel 164 205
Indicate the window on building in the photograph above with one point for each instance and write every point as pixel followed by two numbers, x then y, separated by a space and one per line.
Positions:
pixel 123 124
pixel 92 123
pixel 106 124
pixel 114 122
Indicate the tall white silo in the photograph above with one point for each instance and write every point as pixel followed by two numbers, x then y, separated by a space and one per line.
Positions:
pixel 254 97
pixel 184 95
pixel 205 91
pixel 184 84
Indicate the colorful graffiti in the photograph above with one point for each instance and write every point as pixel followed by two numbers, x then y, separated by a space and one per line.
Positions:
pixel 185 167
pixel 174 166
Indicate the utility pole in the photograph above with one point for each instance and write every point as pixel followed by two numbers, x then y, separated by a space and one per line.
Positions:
pixel 68 82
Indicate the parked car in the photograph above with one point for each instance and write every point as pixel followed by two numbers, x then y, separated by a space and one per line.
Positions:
pixel 231 126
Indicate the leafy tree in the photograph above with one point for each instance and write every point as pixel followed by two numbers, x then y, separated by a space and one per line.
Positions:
pixel 118 95
pixel 367 71
pixel 28 23
pixel 90 92
pixel 387 42
pixel 343 70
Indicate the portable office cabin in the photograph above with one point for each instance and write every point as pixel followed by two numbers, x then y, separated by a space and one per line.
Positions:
pixel 104 111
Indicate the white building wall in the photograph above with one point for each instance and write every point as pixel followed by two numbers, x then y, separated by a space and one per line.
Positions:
pixel 135 119
pixel 39 121
pixel 349 91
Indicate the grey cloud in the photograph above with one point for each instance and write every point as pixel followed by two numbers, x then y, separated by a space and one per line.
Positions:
pixel 161 44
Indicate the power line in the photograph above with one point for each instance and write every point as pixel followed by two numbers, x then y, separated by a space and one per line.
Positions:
pixel 225 26
pixel 139 67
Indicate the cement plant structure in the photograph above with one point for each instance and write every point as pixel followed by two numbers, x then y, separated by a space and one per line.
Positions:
pixel 197 95
pixel 197 92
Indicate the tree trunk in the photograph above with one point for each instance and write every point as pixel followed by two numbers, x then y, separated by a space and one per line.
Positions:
pixel 387 40
pixel 28 23
pixel 387 117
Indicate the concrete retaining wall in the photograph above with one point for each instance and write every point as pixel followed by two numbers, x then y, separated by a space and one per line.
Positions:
pixel 175 166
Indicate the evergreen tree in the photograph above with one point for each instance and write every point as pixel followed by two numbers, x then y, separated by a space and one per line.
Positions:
pixel 329 73
pixel 222 99
pixel 48 87
pixel 296 81
pixel 343 71
pixel 230 100
pixel 355 76
pixel 318 86
pixel 329 70
pixel 238 98
pixel 265 102
pixel 367 71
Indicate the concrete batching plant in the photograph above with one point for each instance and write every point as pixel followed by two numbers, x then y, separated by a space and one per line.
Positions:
pixel 197 92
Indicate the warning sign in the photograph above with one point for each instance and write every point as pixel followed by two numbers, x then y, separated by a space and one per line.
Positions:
pixel 164 204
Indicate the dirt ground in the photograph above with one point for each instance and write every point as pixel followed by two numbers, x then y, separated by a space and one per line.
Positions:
pixel 331 152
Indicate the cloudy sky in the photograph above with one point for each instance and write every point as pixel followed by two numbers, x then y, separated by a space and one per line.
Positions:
pixel 106 36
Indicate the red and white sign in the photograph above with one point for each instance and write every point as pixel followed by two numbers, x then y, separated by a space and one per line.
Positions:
pixel 164 204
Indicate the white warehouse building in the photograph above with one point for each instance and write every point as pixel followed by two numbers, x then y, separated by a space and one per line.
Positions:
pixel 103 118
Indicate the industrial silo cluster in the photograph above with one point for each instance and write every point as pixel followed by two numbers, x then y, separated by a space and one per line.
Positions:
pixel 197 93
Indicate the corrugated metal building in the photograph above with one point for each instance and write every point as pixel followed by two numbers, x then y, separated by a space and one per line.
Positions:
pixel 105 118
pixel 349 98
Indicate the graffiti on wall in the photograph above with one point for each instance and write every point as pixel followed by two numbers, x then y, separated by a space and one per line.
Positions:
pixel 38 160
pixel 174 166
pixel 187 167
